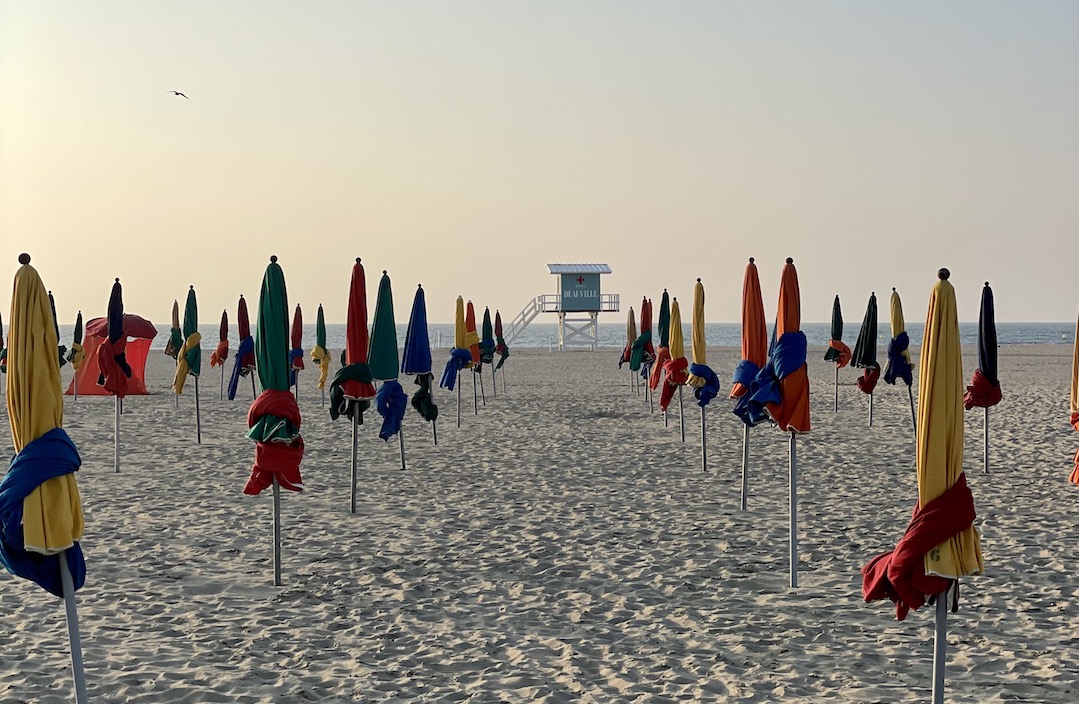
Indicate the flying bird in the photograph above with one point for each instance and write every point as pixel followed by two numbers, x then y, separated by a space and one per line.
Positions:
pixel 176 92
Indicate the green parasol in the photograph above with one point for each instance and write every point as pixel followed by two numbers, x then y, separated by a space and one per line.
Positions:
pixel 382 358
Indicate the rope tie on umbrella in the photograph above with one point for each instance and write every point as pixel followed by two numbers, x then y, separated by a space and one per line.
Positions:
pixel 220 354
pixel 355 399
pixel 900 575
pixel 898 367
pixel 868 380
pixel 674 375
pixel 321 357
pixel 25 550
pixel 76 355
pixel 274 422
pixel 459 359
pixel 983 392
pixel 837 352
pixel 391 403
pixel 244 364
pixel 115 371
pixel 422 400
pixel 182 369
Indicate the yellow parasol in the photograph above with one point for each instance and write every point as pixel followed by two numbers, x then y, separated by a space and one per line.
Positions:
pixel 678 344
pixel 697 344
pixel 940 428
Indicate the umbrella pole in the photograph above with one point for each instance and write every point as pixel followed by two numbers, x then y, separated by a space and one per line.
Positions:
pixel 253 394
pixel 116 439
pixel 323 398
pixel 681 415
pixel 483 394
pixel 837 388
pixel 475 396
pixel 704 445
pixel 503 380
pixel 648 393
pixel 434 430
pixel 401 438
pixel 745 464
pixel 355 442
pixel 871 410
pixel 986 426
pixel 221 394
pixel 940 646
pixel 458 403
pixel 913 415
pixel 198 415
pixel 494 381
pixel 75 386
pixel 73 630
pixel 664 419
pixel 276 533
pixel 794 511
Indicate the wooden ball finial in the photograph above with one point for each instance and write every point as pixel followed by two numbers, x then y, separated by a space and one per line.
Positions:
pixel 944 274
pixel 24 258
pixel 273 258
pixel 790 260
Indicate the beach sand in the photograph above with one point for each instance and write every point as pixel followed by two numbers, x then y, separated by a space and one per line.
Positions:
pixel 561 546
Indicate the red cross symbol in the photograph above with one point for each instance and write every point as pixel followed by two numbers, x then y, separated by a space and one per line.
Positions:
pixel 580 280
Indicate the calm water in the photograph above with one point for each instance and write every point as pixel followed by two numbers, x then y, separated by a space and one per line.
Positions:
pixel 539 335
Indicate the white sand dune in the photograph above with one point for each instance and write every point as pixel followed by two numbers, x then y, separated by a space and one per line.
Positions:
pixel 561 546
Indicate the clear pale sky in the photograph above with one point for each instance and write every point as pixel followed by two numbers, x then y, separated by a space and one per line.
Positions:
pixel 464 145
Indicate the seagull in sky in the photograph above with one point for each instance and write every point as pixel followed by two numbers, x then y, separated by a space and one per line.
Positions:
pixel 176 92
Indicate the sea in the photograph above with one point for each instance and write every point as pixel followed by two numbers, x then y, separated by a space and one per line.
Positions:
pixel 545 335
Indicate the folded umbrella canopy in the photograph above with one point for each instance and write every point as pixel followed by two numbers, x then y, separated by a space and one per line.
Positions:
pixel 984 389
pixel 220 355
pixel 837 351
pixel 472 339
pixel 941 543
pixel 273 420
pixel 899 365
pixel 41 519
pixel 295 354
pixel 3 349
pixel 631 337
pixel 460 357
pixel 487 338
pixel 675 371
pixel 865 349
pixel 416 359
pixel 643 353
pixel 391 400
pixel 663 352
pixel 56 326
pixel 1074 416
pixel 114 371
pixel 754 333
pixel 77 354
pixel 704 381
pixel 351 390
pixel 245 351
pixel 319 355
pixel 176 335
pixel 501 347
pixel 189 355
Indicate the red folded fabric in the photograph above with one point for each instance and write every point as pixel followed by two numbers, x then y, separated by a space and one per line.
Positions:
pixel 220 355
pixel 663 356
pixel 981 392
pixel 676 373
pixel 1075 472
pixel 844 353
pixel 900 575
pixel 113 378
pixel 868 380
pixel 275 459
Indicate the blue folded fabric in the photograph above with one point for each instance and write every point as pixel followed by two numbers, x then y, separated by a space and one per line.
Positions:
pixel 293 355
pixel 391 402
pixel 246 347
pixel 51 455
pixel 745 372
pixel 705 394
pixel 897 367
pixel 459 359
pixel 788 354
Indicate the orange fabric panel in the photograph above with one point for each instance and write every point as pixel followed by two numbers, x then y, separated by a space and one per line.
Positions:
pixel 138 350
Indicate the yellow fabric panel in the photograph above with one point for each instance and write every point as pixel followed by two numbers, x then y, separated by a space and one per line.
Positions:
pixel 182 369
pixel 697 344
pixel 940 429
pixel 52 513
pixel 898 325
pixel 677 344
pixel 459 325
pixel 322 358
pixel 631 328
pixel 78 354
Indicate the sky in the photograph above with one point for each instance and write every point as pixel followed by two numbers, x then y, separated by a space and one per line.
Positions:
pixel 465 145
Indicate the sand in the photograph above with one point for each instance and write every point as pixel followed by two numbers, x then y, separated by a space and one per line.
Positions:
pixel 561 546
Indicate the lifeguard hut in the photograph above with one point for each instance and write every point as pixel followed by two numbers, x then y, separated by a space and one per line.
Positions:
pixel 578 303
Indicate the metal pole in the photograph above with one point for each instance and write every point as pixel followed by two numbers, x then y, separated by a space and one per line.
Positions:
pixel 794 511
pixel 116 439
pixel 355 453
pixel 434 430
pixel 986 440
pixel 296 388
pixel 198 415
pixel 494 381
pixel 745 464
pixel 503 380
pixel 75 386
pixel 459 401
pixel 401 437
pixel 913 415
pixel 475 396
pixel 664 419
pixel 323 398
pixel 254 394
pixel 648 393
pixel 870 410
pixel 940 646
pixel 73 637
pixel 681 415
pixel 221 394
pixel 276 533
pixel 837 388
pixel 704 445
pixel 483 394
